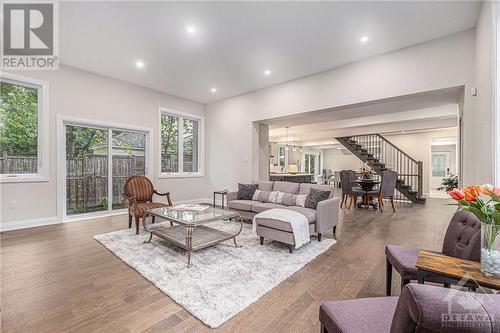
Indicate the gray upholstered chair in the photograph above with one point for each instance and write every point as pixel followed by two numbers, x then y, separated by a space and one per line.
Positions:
pixel 386 189
pixel 420 308
pixel 462 240
pixel 347 190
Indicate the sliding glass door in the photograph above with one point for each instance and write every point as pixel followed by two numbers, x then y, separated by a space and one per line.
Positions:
pixel 98 163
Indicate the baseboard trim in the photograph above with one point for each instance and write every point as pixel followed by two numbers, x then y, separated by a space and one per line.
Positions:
pixel 28 223
pixel 39 222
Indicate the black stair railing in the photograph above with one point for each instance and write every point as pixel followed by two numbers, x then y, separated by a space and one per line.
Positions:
pixel 382 154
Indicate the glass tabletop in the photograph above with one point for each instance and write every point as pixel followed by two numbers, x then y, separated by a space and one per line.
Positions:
pixel 186 216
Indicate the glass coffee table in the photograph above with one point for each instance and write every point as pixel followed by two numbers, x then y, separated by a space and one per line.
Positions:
pixel 188 228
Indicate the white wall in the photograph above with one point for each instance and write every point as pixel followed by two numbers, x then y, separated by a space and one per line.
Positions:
pixel 437 64
pixel 336 160
pixel 85 95
pixel 485 80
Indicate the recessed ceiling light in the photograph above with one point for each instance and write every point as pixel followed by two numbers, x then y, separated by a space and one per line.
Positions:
pixel 214 90
pixel 140 64
pixel 364 39
pixel 267 72
pixel 191 29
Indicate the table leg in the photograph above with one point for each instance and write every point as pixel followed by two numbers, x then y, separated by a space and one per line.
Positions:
pixel 222 198
pixel 214 199
pixel 189 244
pixel 420 276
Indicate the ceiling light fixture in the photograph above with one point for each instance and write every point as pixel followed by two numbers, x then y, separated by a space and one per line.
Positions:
pixel 267 72
pixel 286 138
pixel 364 39
pixel 140 64
pixel 213 90
pixel 191 29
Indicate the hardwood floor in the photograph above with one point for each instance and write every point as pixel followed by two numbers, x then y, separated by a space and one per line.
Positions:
pixel 58 279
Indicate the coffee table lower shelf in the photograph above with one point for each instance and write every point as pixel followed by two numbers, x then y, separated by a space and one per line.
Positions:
pixel 193 238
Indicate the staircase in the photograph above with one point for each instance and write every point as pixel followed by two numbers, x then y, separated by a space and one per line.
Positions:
pixel 381 155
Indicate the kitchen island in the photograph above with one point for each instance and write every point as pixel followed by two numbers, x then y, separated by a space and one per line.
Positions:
pixel 292 177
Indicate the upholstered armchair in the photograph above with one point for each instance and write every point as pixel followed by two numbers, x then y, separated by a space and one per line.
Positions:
pixel 420 308
pixel 462 240
pixel 139 191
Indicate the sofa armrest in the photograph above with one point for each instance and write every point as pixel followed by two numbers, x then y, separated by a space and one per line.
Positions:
pixel 427 308
pixel 232 196
pixel 327 214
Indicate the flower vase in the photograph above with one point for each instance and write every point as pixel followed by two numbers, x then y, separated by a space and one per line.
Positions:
pixel 490 249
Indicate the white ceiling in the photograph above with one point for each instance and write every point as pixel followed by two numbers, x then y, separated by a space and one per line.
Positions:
pixel 236 41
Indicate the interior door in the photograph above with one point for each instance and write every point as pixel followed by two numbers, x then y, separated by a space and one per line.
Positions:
pixel 441 167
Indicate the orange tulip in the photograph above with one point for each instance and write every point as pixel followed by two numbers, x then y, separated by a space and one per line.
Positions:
pixel 471 193
pixel 456 194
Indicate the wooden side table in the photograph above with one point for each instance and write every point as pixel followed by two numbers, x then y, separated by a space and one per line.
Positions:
pixel 453 268
pixel 223 194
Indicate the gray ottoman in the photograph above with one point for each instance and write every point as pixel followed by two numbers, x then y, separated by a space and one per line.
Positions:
pixel 277 230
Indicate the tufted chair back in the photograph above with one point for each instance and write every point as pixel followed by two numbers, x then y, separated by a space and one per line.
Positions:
pixel 463 237
pixel 345 182
pixel 140 188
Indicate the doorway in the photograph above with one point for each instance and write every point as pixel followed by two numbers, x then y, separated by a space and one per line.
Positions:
pixel 443 165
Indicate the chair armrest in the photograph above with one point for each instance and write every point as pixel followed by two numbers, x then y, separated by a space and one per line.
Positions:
pixel 167 194
pixel 433 309
pixel 232 196
pixel 327 214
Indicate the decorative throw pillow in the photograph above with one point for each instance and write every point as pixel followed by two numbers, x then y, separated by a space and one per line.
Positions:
pixel 279 197
pixel 256 195
pixel 300 200
pixel 273 196
pixel 314 197
pixel 264 196
pixel 289 199
pixel 246 191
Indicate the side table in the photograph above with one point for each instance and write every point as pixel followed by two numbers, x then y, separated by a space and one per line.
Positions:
pixel 223 194
pixel 455 269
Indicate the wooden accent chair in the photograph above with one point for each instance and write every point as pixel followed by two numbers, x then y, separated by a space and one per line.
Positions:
pixel 139 191
pixel 461 240
pixel 346 178
pixel 386 189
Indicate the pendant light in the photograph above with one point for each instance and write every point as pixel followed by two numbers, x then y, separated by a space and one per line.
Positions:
pixel 294 147
pixel 300 149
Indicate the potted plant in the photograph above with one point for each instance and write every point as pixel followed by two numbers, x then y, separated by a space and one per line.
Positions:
pixel 483 201
pixel 448 183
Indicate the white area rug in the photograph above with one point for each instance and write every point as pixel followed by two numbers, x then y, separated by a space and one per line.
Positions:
pixel 223 280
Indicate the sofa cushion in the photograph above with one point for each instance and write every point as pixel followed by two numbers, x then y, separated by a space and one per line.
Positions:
pixel 309 213
pixel 279 225
pixel 246 191
pixel 358 315
pixel 286 187
pixel 260 207
pixel 300 200
pixel 314 197
pixel 306 188
pixel 242 204
pixel 265 185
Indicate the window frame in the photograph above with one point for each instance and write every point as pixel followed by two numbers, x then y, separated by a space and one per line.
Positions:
pixel 201 144
pixel 43 154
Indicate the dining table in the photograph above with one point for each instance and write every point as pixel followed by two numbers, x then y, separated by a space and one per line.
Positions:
pixel 367 185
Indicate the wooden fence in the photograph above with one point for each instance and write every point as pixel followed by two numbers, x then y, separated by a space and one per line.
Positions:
pixel 18 164
pixel 87 181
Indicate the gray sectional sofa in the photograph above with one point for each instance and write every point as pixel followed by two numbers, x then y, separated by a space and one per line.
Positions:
pixel 321 219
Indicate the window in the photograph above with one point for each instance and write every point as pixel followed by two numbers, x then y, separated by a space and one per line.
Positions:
pixel 23 129
pixel 180 144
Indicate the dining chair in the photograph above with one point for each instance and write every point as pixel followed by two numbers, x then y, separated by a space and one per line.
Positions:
pixel 347 189
pixel 386 189
pixel 138 191
pixel 336 178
